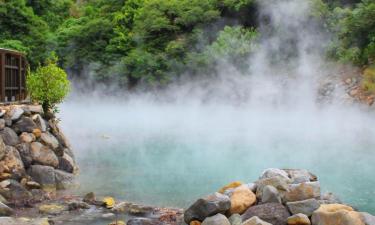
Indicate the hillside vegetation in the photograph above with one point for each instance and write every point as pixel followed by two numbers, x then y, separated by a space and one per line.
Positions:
pixel 153 41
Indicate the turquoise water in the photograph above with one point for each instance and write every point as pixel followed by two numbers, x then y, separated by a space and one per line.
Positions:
pixel 171 155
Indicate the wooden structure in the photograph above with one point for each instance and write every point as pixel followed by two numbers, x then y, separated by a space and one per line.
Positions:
pixel 12 76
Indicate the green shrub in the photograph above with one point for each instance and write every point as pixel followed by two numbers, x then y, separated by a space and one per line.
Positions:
pixel 48 85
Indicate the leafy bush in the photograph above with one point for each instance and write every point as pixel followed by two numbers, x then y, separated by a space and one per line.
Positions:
pixel 48 85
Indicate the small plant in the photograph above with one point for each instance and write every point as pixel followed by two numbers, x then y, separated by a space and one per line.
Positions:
pixel 369 80
pixel 48 85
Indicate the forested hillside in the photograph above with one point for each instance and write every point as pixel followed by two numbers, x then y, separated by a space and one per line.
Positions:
pixel 153 41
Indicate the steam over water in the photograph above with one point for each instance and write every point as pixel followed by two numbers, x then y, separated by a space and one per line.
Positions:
pixel 171 147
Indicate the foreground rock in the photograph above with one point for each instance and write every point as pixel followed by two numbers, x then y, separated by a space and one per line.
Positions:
pixel 218 219
pixel 299 219
pixel 208 206
pixel 336 214
pixel 274 213
pixel 241 199
pixel 255 221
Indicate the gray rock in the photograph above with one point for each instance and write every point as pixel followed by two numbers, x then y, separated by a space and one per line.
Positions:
pixel 2 124
pixel 302 191
pixel 14 192
pixel 76 205
pixel 65 165
pixel 281 184
pixel 44 175
pixel 235 219
pixel 306 207
pixel 273 172
pixel 16 113
pixel 143 221
pixel 35 109
pixel 300 175
pixel 273 213
pixel 218 219
pixel 40 122
pixel 207 206
pixel 24 151
pixel 5 210
pixel 8 121
pixel 49 140
pixel 25 124
pixel 43 155
pixel 329 198
pixel 64 180
pixel 255 221
pixel 56 131
pixel 2 112
pixel 368 219
pixel 21 221
pixel 9 136
pixel 270 194
pixel 2 148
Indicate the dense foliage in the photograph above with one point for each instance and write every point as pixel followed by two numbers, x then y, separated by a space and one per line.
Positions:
pixel 155 41
pixel 48 85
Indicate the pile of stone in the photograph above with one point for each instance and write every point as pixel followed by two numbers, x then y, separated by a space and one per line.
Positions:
pixel 35 156
pixel 279 197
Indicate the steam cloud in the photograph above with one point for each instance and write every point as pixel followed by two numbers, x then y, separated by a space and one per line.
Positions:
pixel 171 146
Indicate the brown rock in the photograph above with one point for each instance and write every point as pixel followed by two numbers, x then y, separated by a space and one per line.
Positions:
pixel 43 155
pixel 336 214
pixel 195 222
pixel 27 137
pixel 274 213
pixel 13 161
pixel 241 199
pixel 49 140
pixel 302 191
pixel 299 219
pixel 37 132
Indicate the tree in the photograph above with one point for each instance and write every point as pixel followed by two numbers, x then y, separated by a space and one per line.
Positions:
pixel 48 85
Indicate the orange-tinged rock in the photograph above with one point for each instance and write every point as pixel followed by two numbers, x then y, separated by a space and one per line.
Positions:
pixel 37 133
pixel 336 214
pixel 241 199
pixel 195 222
pixel 229 186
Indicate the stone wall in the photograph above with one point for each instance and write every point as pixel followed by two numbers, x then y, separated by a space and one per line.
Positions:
pixel 35 156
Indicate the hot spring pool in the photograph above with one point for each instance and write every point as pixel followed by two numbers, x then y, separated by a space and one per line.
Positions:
pixel 170 155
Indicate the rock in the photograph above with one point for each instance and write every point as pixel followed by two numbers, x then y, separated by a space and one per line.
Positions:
pixel 300 175
pixel 108 215
pixel 336 214
pixel 230 186
pixel 14 192
pixel 24 151
pixel 143 221
pixel 2 148
pixel 329 198
pixel 208 206
pixel 218 219
pixel 64 180
pixel 235 219
pixel 49 140
pixel 44 175
pixel 76 205
pixel 2 124
pixel 241 199
pixel 299 219
pixel 273 172
pixel 89 198
pixel 306 207
pixel 35 109
pixel 270 194
pixel 16 113
pixel 5 210
pixel 40 122
pixel 43 155
pixel 9 136
pixel 52 209
pixel 368 219
pixel 278 182
pixel 23 221
pixel 302 191
pixel 66 163
pixel 32 185
pixel 25 124
pixel 12 160
pixel 2 112
pixel 56 131
pixel 27 137
pixel 255 221
pixel 37 133
pixel 273 213
pixel 195 222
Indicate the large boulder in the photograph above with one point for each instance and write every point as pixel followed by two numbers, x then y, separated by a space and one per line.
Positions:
pixel 44 175
pixel 255 221
pixel 43 155
pixel 273 213
pixel 24 151
pixel 336 214
pixel 300 175
pixel 280 183
pixel 25 124
pixel 15 113
pixel 302 191
pixel 299 219
pixel 218 219
pixel 13 161
pixel 49 140
pixel 241 199
pixel 270 194
pixel 273 172
pixel 207 206
pixel 306 207
pixel 64 180
pixel 9 136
